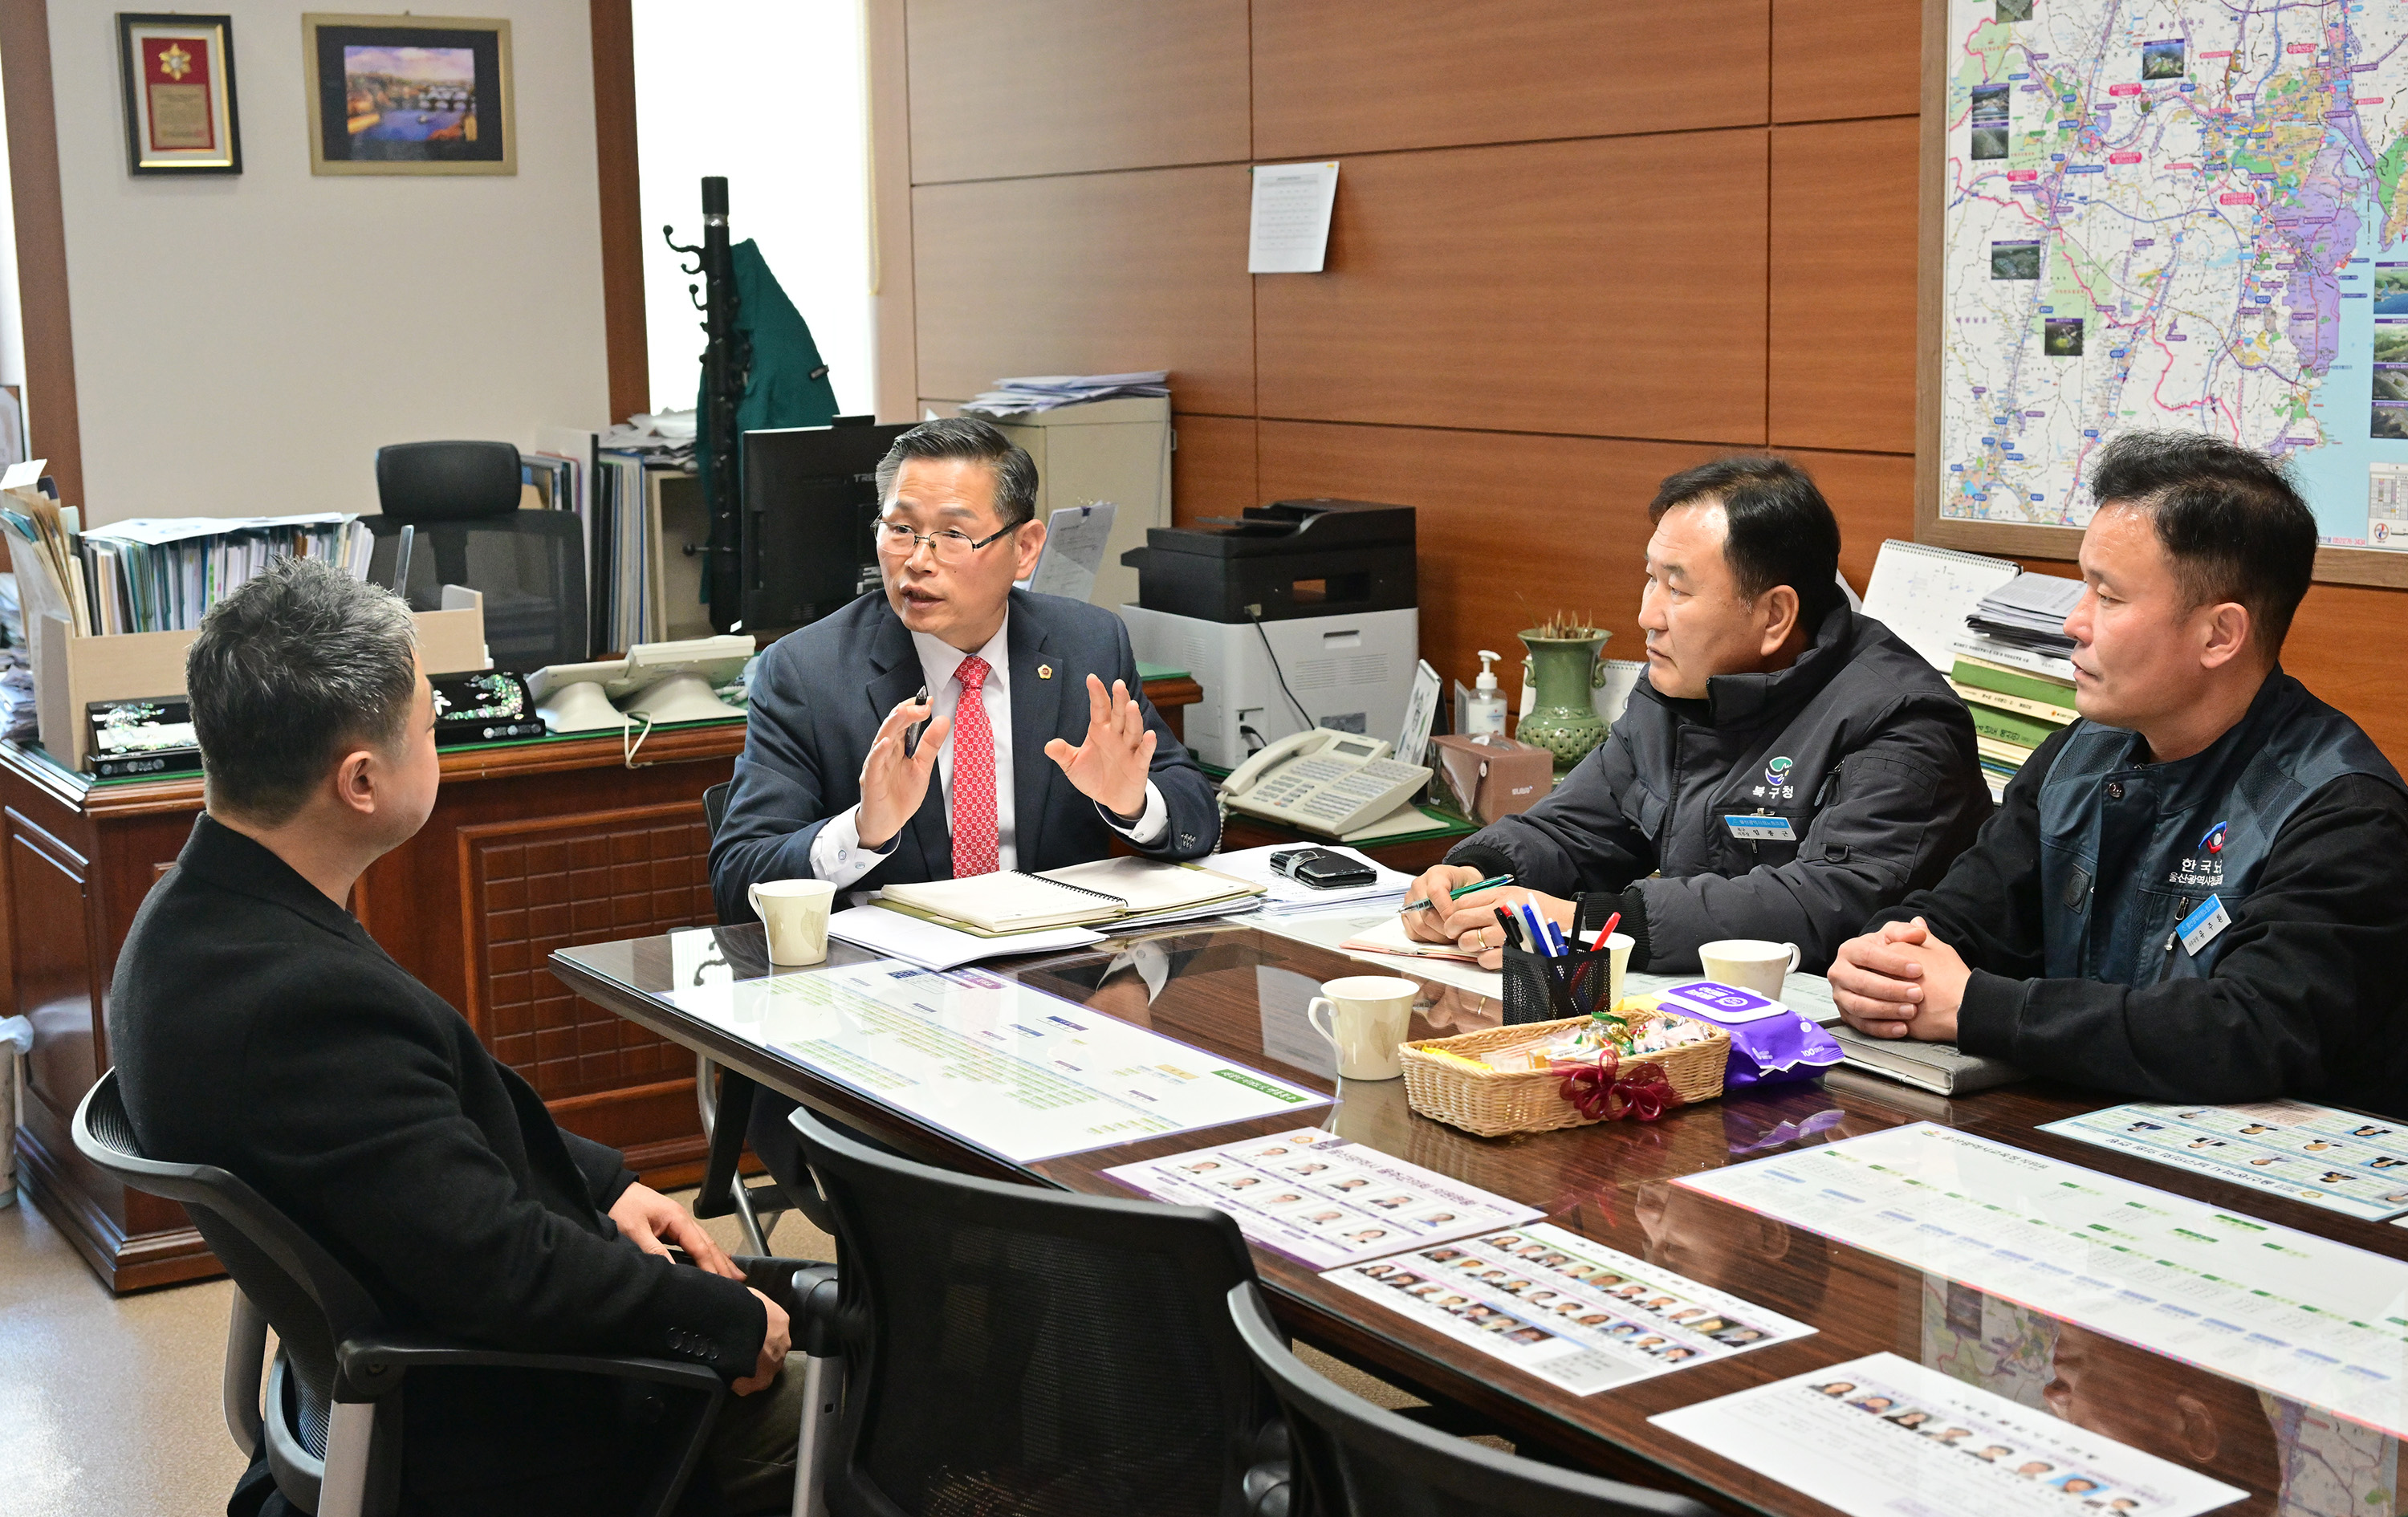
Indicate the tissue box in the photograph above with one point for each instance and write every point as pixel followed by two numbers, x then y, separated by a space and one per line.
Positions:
pixel 1497 777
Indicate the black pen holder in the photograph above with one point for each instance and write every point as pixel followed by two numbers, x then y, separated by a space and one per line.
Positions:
pixel 1540 989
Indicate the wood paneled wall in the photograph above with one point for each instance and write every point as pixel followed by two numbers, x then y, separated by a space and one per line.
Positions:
pixel 1579 244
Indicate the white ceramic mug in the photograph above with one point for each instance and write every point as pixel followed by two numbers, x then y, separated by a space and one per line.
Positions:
pixel 795 912
pixel 1749 964
pixel 1617 947
pixel 1370 1014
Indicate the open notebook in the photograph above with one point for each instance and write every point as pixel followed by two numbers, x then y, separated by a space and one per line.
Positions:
pixel 1107 890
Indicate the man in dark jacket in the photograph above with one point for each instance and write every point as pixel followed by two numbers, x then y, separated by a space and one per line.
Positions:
pixel 1786 768
pixel 258 1027
pixel 2194 893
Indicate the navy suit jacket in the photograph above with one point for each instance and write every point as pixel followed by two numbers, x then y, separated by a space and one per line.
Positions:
pixel 820 693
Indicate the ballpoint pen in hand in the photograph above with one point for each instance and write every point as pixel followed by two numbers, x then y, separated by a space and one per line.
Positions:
pixel 1459 891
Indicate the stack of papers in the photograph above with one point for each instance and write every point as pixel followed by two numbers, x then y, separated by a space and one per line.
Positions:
pixel 1123 892
pixel 2028 612
pixel 1044 392
pixel 666 438
pixel 933 945
pixel 1285 896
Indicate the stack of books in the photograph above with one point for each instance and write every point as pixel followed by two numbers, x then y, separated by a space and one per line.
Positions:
pixel 2014 710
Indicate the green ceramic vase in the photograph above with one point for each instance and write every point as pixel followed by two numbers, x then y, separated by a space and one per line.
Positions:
pixel 1563 721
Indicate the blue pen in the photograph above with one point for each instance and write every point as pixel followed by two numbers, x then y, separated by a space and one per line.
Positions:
pixel 1538 931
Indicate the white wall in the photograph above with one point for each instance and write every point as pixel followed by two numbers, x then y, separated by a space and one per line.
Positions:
pixel 244 344
pixel 769 93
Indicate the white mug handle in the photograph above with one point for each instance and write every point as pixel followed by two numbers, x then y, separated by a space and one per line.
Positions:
pixel 1794 957
pixel 753 894
pixel 1313 1015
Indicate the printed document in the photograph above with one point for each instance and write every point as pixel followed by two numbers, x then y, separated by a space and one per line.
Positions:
pixel 2289 1313
pixel 1881 1437
pixel 1290 232
pixel 1020 1073
pixel 1576 1314
pixel 1320 1199
pixel 2337 1160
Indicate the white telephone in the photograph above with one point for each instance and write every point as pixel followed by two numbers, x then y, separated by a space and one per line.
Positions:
pixel 1323 781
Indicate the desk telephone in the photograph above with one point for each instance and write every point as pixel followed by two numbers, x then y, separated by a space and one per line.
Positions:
pixel 1323 781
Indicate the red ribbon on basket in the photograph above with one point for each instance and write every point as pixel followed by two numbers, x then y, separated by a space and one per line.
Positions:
pixel 1593 1089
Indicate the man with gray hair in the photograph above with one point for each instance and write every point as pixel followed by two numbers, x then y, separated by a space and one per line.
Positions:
pixel 258 1027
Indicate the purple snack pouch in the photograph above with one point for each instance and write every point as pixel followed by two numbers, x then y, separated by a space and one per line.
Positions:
pixel 1769 1042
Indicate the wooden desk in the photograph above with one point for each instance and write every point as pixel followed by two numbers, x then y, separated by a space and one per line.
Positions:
pixel 532 847
pixel 1609 1183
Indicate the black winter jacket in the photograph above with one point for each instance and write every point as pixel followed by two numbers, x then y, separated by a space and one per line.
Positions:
pixel 1860 747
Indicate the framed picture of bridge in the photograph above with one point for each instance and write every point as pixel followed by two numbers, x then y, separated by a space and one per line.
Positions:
pixel 408 95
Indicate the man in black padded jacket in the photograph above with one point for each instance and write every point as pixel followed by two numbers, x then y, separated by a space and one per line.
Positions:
pixel 258 1027
pixel 2196 892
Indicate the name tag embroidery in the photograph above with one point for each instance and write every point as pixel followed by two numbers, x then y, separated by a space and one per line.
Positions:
pixel 2206 920
pixel 1761 829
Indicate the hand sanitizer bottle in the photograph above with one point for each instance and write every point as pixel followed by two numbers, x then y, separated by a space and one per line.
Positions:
pixel 1485 712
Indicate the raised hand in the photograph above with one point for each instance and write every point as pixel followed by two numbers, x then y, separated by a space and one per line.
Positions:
pixel 893 783
pixel 1110 766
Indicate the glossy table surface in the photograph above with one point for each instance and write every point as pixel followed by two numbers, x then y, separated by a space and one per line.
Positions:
pixel 1232 988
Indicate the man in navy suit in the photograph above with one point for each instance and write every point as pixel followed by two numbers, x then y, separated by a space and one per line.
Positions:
pixel 1029 713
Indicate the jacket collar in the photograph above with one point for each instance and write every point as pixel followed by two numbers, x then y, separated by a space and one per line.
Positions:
pixel 226 858
pixel 1746 700
pixel 2202 776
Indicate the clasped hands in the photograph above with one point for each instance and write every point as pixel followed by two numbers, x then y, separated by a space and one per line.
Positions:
pixel 1110 767
pixel 1471 923
pixel 654 1223
pixel 1899 981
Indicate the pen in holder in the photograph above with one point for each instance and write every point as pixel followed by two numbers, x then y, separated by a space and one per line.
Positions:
pixel 1539 988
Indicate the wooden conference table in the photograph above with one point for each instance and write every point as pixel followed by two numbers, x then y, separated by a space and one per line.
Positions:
pixel 1231 983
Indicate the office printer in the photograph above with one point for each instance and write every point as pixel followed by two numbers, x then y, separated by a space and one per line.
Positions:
pixel 1297 614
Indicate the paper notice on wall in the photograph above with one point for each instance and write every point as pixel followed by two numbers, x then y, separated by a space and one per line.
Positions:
pixel 1291 222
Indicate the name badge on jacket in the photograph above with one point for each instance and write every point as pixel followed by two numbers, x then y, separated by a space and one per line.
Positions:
pixel 2200 929
pixel 1761 829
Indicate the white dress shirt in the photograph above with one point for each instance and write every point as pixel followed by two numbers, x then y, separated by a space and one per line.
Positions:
pixel 836 855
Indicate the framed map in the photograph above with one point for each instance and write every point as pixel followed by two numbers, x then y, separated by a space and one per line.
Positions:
pixel 2163 213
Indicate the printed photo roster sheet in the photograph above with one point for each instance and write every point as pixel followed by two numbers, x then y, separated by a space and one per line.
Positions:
pixel 2289 1313
pixel 2337 1160
pixel 1880 1436
pixel 1577 1314
pixel 1320 1199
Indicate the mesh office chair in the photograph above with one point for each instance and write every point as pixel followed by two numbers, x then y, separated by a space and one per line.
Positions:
pixel 333 1423
pixel 461 501
pixel 1014 1350
pixel 724 1099
pixel 1357 1460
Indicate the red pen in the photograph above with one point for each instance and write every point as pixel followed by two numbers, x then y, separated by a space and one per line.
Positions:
pixel 1605 932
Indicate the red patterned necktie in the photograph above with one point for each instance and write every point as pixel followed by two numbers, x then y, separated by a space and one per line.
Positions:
pixel 976 838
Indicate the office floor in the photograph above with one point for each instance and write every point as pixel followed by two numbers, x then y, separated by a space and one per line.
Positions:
pixel 111 1405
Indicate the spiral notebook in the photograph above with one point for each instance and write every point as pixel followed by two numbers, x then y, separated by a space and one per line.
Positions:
pixel 1924 593
pixel 1015 901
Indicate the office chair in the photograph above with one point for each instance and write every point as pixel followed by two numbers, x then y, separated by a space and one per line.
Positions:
pixel 725 1098
pixel 1352 1459
pixel 1010 1348
pixel 333 1421
pixel 461 499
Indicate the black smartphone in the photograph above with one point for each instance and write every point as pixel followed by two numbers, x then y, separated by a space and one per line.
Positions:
pixel 1322 868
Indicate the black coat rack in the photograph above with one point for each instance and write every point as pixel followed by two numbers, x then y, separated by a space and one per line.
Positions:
pixel 727 369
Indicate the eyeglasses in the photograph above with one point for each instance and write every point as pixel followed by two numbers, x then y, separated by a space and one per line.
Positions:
pixel 899 541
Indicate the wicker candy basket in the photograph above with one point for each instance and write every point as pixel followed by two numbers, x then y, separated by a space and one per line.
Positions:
pixel 1493 1102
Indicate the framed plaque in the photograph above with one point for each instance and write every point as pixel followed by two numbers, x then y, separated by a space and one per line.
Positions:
pixel 179 107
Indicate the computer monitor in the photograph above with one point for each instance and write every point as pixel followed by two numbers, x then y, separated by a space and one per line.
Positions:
pixel 810 497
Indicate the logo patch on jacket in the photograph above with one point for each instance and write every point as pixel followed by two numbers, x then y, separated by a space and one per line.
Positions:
pixel 1776 782
pixel 2205 867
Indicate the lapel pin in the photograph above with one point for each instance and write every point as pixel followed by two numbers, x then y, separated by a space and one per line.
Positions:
pixel 1045 671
